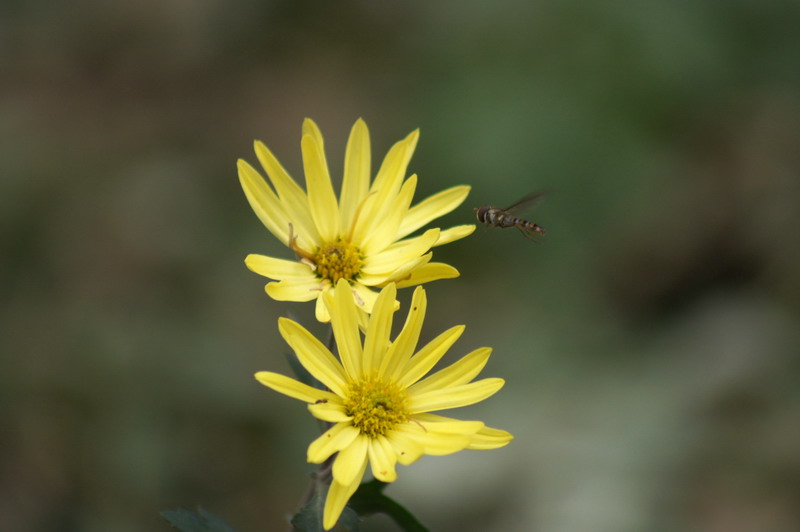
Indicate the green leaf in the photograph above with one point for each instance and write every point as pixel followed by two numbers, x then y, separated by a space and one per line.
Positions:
pixel 370 499
pixel 189 521
pixel 309 518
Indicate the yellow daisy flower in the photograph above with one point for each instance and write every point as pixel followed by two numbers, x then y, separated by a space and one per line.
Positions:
pixel 378 402
pixel 362 236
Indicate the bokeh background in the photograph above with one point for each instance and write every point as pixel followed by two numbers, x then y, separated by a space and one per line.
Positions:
pixel 650 345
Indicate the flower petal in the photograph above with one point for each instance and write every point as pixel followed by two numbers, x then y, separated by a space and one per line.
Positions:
pixel 382 458
pixel 435 443
pixel 331 411
pixel 394 165
pixel 293 388
pixel 365 298
pixel 403 272
pixel 428 272
pixel 264 202
pixel 344 320
pixel 460 372
pixel 314 356
pixel 403 346
pixel 384 233
pixel 455 396
pixel 428 356
pixel 376 341
pixel 433 207
pixel 400 253
pixel 294 289
pixel 321 311
pixel 311 128
pixel 350 459
pixel 279 269
pixel 355 184
pixel 448 425
pixel 385 187
pixel 405 447
pixel 454 233
pixel 292 197
pixel 337 498
pixel 321 199
pixel 488 438
pixel 331 441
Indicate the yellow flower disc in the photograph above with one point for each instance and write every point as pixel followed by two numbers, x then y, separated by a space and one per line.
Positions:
pixel 377 406
pixel 338 260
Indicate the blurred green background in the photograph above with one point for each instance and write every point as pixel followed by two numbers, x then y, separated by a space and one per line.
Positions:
pixel 651 345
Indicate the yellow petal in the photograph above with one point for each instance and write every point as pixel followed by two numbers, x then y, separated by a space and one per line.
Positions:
pixel 337 498
pixel 488 438
pixel 428 356
pixel 294 289
pixel 400 253
pixel 394 165
pixel 363 320
pixel 405 447
pixel 376 341
pixel 292 197
pixel 364 297
pixel 382 458
pixel 383 231
pixel 350 459
pixel 357 162
pixel 454 233
pixel 264 201
pixel 292 388
pixel 403 272
pixel 448 425
pixel 314 356
pixel 333 440
pixel 385 187
pixel 434 443
pixel 431 208
pixel 279 268
pixel 311 128
pixel 403 346
pixel 455 396
pixel 426 273
pixel 330 411
pixel 321 311
pixel 344 320
pixel 321 199
pixel 460 372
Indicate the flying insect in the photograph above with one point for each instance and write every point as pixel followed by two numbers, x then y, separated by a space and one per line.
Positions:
pixel 497 217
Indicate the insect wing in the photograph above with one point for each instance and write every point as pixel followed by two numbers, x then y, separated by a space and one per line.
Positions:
pixel 526 203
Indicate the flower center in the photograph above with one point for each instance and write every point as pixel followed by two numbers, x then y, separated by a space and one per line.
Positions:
pixel 377 406
pixel 338 260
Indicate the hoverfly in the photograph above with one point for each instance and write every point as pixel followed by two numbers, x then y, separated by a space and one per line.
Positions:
pixel 496 217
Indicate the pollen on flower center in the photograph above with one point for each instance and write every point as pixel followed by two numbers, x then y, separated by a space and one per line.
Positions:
pixel 338 260
pixel 376 405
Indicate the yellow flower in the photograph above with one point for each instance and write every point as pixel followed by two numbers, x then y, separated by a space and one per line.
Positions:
pixel 378 403
pixel 361 237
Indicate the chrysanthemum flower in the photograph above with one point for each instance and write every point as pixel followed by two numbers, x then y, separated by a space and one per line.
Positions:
pixel 362 236
pixel 377 400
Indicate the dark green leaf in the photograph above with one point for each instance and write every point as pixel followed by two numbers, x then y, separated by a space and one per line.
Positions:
pixel 370 499
pixel 189 521
pixel 350 520
pixel 309 518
